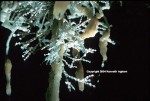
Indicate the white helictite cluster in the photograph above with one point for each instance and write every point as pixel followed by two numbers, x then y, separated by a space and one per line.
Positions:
pixel 53 25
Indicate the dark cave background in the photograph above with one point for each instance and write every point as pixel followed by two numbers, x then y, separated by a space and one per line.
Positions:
pixel 131 29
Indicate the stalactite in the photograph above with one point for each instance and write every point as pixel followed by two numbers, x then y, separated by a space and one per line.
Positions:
pixel 60 8
pixel 103 42
pixel 55 75
pixel 8 67
pixel 91 29
pixel 80 70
